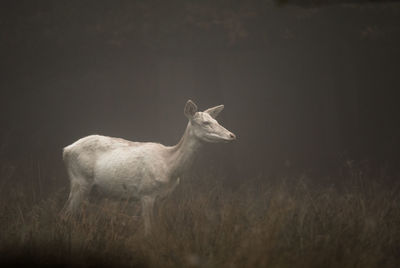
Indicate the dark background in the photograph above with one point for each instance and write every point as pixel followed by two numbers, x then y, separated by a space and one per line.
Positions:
pixel 306 84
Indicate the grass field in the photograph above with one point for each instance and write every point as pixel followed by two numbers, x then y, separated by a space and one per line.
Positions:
pixel 288 221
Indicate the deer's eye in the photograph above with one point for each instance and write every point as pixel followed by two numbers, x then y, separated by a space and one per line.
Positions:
pixel 206 123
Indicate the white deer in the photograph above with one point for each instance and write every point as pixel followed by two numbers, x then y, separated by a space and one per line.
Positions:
pixel 140 170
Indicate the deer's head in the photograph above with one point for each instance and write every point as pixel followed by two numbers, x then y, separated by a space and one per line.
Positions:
pixel 204 126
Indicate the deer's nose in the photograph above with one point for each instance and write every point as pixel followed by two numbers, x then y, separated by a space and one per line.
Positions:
pixel 232 136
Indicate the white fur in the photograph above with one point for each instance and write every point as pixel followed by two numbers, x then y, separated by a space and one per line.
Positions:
pixel 140 170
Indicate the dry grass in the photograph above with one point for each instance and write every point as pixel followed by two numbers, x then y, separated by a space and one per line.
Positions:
pixel 264 222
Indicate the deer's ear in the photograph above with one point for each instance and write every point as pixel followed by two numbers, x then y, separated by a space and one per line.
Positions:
pixel 214 111
pixel 190 109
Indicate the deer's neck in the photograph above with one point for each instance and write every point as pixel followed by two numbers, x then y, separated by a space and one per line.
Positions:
pixel 181 155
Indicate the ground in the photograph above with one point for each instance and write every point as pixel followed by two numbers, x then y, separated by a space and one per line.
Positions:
pixel 269 221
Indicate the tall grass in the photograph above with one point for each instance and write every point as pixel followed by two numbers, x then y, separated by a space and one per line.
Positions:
pixel 264 222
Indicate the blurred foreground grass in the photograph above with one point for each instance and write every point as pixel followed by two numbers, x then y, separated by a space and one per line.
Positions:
pixel 264 222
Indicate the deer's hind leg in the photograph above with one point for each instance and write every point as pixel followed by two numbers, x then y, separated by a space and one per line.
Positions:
pixel 79 191
pixel 80 184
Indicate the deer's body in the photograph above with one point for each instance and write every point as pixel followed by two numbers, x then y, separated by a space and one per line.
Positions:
pixel 119 167
pixel 136 170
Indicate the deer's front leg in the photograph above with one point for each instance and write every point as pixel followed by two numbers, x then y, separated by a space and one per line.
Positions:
pixel 172 187
pixel 148 213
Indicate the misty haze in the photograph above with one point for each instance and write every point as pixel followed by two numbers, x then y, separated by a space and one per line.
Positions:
pixel 300 169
